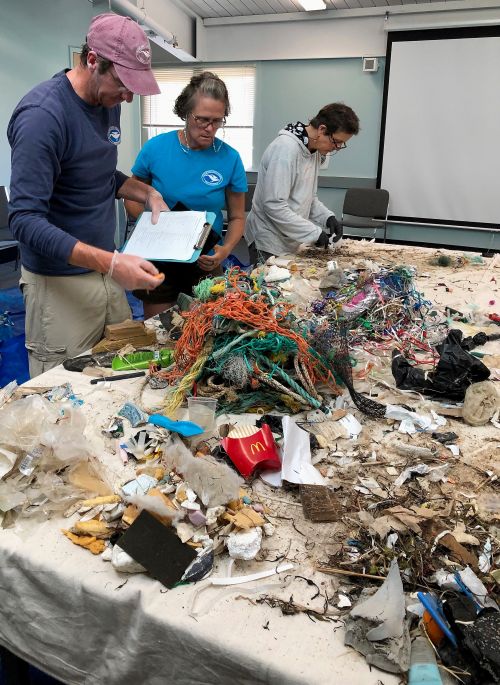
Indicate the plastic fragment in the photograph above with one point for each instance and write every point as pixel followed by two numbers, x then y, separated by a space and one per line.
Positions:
pixel 245 545
pixel 124 563
pixel 376 627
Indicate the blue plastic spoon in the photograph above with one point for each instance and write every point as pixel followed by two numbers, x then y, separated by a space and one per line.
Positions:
pixel 185 428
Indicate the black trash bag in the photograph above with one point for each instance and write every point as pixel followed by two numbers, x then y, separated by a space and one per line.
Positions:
pixel 478 638
pixel 483 641
pixel 456 370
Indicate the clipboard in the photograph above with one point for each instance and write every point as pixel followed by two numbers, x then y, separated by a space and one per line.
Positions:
pixel 146 242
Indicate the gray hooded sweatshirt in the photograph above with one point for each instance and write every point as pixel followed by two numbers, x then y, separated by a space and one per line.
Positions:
pixel 285 209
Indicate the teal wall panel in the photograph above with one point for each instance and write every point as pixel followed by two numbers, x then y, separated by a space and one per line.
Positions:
pixel 35 36
pixel 291 90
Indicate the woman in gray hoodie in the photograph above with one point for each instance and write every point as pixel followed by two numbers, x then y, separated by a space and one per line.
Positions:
pixel 285 209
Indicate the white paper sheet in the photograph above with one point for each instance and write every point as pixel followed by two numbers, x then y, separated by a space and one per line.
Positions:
pixel 297 467
pixel 173 237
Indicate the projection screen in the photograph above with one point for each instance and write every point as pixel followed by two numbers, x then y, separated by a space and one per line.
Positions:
pixel 439 154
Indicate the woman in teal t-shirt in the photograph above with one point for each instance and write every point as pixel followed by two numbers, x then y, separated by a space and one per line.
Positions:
pixel 193 168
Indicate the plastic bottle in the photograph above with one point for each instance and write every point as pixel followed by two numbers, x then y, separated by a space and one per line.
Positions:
pixel 30 461
pixel 423 666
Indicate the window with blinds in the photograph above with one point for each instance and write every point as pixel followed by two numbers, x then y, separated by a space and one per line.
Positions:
pixel 157 110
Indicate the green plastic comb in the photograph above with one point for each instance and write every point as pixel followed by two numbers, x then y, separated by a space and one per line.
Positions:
pixel 140 360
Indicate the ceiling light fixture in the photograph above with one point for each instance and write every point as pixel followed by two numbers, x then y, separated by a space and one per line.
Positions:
pixel 310 5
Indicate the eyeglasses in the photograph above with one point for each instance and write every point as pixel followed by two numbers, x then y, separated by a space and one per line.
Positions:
pixel 205 122
pixel 339 144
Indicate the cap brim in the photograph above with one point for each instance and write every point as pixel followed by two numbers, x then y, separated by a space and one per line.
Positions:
pixel 138 81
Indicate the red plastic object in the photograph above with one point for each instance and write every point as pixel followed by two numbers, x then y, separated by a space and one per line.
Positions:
pixel 256 452
pixel 494 317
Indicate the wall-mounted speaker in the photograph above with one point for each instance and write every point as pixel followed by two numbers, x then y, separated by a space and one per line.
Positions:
pixel 370 63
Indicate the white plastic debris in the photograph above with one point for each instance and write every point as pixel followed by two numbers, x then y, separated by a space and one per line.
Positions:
pixel 407 427
pixel 418 469
pixel 7 461
pixel 486 557
pixel 139 486
pixel 392 538
pixel 124 563
pixel 185 531
pixel 352 425
pixel 107 555
pixel 410 418
pixel 438 473
pixel 344 601
pixel 7 391
pixel 277 273
pixel 416 609
pixel 245 545
pixel 191 506
pixel 213 514
pixel 371 485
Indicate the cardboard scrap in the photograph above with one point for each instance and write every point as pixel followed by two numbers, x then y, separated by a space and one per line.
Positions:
pixel 125 329
pixel 397 519
pixel 130 514
pixel 143 340
pixel 462 536
pixel 436 533
pixel 88 541
pixel 245 518
pixel 319 503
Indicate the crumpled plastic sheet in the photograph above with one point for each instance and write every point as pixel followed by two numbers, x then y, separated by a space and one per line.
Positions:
pixel 377 627
pixel 34 422
pixel 215 483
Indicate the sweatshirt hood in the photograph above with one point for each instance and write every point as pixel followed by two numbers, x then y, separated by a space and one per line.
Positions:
pixel 298 133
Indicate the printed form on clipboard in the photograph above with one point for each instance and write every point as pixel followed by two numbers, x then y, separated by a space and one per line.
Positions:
pixel 177 237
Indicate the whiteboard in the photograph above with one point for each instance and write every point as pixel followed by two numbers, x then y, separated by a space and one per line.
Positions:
pixel 440 145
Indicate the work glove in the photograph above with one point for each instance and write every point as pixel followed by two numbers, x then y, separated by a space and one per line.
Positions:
pixel 335 228
pixel 323 240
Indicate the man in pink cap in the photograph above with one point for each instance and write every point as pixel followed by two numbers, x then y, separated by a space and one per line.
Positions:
pixel 64 136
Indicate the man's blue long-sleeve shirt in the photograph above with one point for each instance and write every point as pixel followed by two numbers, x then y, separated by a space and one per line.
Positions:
pixel 64 179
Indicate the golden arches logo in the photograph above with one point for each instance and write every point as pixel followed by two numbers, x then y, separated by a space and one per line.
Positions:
pixel 257 447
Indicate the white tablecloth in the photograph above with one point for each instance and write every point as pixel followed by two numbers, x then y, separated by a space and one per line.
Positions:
pixel 63 609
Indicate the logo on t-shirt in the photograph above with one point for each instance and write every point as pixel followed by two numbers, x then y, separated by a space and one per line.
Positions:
pixel 114 135
pixel 212 177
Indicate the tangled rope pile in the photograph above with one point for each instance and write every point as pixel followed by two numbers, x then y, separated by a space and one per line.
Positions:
pixel 383 310
pixel 241 335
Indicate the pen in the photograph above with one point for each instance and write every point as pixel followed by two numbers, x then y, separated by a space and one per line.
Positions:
pixel 136 374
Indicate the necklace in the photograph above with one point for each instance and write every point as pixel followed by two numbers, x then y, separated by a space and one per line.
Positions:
pixel 186 147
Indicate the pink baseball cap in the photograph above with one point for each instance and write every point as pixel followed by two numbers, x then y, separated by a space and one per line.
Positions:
pixel 123 42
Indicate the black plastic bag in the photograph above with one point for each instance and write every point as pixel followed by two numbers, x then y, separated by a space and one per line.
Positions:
pixel 455 371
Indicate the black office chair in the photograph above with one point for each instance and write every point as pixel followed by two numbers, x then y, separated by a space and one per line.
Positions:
pixel 366 208
pixel 9 248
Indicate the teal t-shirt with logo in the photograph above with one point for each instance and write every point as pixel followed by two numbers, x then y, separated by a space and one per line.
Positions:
pixel 197 178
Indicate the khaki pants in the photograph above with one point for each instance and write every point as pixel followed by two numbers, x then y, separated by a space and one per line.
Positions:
pixel 66 315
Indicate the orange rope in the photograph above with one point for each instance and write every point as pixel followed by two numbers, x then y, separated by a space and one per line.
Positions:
pixel 236 305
